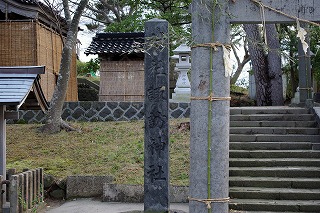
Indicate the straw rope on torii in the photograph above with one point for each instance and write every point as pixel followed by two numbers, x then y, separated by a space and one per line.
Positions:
pixel 214 46
pixel 209 201
pixel 284 14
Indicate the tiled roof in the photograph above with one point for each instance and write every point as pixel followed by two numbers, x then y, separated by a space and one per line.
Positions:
pixel 20 85
pixel 116 43
pixel 35 9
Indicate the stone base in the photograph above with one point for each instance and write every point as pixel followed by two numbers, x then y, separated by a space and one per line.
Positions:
pixel 6 208
pixel 309 103
pixel 181 97
pixel 135 193
pixel 296 99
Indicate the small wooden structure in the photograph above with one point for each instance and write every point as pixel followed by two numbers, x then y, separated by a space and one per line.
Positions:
pixel 121 65
pixel 19 88
pixel 30 35
pixel 26 191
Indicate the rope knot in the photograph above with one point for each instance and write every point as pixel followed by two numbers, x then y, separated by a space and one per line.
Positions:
pixel 208 202
pixel 211 98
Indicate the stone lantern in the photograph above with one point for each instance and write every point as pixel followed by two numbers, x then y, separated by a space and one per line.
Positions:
pixel 182 91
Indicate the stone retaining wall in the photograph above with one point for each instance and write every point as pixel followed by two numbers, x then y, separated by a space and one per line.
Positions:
pixel 104 111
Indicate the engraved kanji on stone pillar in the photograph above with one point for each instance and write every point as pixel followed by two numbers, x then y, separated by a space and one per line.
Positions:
pixel 156 157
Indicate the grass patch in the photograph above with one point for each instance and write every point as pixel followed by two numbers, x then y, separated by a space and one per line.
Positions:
pixel 101 148
pixel 238 89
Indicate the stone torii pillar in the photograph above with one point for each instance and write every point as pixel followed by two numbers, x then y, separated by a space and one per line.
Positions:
pixel 210 89
pixel 209 118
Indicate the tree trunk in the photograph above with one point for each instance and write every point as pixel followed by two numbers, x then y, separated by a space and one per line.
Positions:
pixel 259 64
pixel 266 65
pixel 274 65
pixel 54 122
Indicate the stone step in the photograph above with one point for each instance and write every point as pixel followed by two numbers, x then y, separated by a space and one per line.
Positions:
pixel 239 211
pixel 267 110
pixel 269 162
pixel 274 138
pixel 274 160
pixel 307 172
pixel 270 145
pixel 274 154
pixel 273 124
pixel 273 117
pixel 274 130
pixel 275 182
pixel 275 205
pixel 274 193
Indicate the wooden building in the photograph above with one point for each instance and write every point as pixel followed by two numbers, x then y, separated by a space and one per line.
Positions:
pixel 121 65
pixel 30 36
pixel 19 88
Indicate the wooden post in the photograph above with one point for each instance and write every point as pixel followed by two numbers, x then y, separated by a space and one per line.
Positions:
pixel 10 172
pixel 22 192
pixel 26 191
pixel 41 185
pixel 3 149
pixel 34 189
pixel 30 198
pixel 38 185
pixel 1 199
pixel 14 194
pixel 210 91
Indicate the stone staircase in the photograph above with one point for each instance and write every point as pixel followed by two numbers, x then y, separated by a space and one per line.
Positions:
pixel 274 160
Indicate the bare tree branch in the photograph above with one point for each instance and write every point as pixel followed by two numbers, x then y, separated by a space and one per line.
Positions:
pixel 66 9
pixel 114 9
pixel 235 53
pixel 241 64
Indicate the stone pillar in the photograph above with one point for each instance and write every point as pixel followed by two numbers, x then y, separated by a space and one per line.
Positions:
pixel 156 140
pixel 305 81
pixel 209 145
pixel 3 148
pixel 252 87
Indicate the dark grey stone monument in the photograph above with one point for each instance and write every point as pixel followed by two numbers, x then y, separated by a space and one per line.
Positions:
pixel 156 157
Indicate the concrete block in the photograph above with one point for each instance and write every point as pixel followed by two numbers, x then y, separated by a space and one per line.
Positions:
pixel 86 186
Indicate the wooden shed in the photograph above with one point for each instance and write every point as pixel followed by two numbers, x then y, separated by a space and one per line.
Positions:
pixel 30 36
pixel 121 65
pixel 19 88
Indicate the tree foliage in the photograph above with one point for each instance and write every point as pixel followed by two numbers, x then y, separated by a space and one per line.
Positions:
pixel 130 16
pixel 92 66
